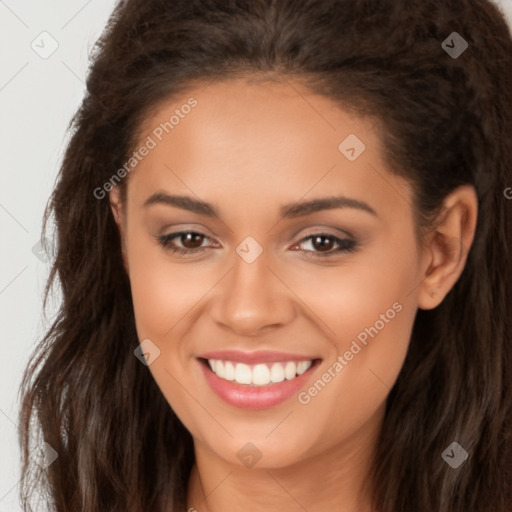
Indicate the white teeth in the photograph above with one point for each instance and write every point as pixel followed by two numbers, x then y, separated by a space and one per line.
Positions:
pixel 229 371
pixel 277 373
pixel 290 370
pixel 259 374
pixel 303 366
pixel 223 369
pixel 219 368
pixel 243 373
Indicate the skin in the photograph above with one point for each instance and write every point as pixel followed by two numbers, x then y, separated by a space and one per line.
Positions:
pixel 249 148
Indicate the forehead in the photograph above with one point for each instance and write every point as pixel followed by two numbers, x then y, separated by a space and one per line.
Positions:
pixel 260 140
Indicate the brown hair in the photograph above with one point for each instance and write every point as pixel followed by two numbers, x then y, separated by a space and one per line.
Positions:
pixel 444 122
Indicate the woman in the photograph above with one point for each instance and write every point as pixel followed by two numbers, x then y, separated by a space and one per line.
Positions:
pixel 282 245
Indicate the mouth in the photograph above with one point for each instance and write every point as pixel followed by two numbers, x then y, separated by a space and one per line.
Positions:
pixel 258 375
pixel 257 386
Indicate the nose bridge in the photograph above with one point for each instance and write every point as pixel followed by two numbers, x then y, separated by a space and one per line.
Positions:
pixel 251 297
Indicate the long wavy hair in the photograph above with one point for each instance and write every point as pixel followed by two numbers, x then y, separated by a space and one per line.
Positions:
pixel 444 121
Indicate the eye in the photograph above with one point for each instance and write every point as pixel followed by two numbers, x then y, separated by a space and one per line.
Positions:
pixel 191 241
pixel 323 243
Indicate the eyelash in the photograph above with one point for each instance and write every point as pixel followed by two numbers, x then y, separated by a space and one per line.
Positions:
pixel 345 244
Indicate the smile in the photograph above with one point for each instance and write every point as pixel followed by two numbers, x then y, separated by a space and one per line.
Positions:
pixel 259 374
pixel 258 380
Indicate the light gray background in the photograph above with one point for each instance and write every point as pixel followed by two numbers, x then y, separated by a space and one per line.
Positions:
pixel 38 96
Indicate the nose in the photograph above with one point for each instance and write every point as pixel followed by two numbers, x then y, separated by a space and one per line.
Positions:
pixel 252 299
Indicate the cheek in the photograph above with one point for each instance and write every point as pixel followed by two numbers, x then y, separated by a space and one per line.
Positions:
pixel 163 291
pixel 353 295
pixel 163 295
pixel 356 384
pixel 367 310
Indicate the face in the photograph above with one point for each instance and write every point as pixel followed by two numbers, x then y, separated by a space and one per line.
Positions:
pixel 269 278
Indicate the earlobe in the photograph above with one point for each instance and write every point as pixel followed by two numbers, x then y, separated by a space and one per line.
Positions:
pixel 448 246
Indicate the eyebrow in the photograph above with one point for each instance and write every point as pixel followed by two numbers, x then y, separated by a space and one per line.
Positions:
pixel 288 211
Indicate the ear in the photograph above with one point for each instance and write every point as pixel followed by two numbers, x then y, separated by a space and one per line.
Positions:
pixel 447 246
pixel 120 219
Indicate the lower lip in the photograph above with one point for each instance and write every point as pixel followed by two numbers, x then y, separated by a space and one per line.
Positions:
pixel 255 397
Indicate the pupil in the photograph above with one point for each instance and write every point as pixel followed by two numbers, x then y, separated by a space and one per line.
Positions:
pixel 322 245
pixel 191 240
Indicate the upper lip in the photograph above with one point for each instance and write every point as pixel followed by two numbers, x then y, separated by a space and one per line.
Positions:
pixel 262 356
